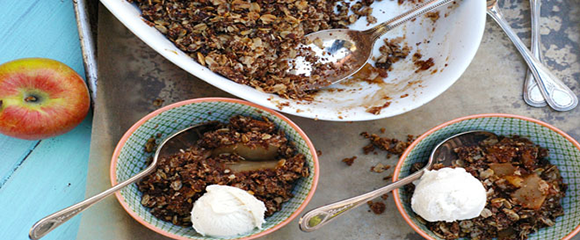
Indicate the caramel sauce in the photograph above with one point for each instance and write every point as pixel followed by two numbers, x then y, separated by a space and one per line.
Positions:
pixel 369 74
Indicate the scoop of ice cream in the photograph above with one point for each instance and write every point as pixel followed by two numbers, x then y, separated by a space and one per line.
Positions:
pixel 225 211
pixel 448 194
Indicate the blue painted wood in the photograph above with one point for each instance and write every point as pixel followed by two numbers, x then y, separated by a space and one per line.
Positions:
pixel 13 152
pixel 40 28
pixel 52 177
pixel 38 178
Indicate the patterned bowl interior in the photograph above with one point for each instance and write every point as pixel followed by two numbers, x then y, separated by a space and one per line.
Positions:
pixel 563 153
pixel 132 158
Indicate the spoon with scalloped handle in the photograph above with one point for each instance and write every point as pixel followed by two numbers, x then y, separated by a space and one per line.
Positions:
pixel 346 50
pixel 556 93
pixel 532 94
pixel 442 153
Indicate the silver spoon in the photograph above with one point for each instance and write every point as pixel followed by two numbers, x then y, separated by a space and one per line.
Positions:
pixel 442 153
pixel 532 94
pixel 170 145
pixel 556 93
pixel 349 50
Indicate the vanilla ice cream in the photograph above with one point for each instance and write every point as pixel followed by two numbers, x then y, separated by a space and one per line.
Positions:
pixel 225 211
pixel 448 194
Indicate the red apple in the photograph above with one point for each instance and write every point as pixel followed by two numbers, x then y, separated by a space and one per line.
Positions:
pixel 40 98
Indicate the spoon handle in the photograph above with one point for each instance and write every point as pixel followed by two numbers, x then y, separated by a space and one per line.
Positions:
pixel 532 94
pixel 557 94
pixel 318 217
pixel 382 28
pixel 50 222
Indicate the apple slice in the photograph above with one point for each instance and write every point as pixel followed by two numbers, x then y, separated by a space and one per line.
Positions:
pixel 245 166
pixel 250 153
pixel 502 169
pixel 532 193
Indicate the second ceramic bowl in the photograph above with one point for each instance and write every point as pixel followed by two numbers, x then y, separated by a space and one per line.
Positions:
pixel 130 158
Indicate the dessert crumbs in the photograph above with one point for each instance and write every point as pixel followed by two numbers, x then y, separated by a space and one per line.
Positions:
pixel 377 110
pixel 423 65
pixel 349 161
pixel 377 207
pixel 434 16
pixel 385 196
pixel 391 145
pixel 158 102
pixel 379 168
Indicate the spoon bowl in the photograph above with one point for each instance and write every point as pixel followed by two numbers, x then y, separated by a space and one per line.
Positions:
pixel 442 154
pixel 346 51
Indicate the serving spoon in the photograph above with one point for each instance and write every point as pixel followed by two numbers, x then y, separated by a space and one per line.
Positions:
pixel 348 50
pixel 443 153
pixel 558 96
pixel 174 143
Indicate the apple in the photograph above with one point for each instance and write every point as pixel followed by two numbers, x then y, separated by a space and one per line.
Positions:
pixel 40 98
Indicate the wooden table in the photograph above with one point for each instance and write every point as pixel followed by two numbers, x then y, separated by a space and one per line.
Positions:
pixel 40 177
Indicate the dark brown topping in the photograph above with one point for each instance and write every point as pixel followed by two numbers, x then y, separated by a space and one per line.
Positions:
pixel 391 145
pixel 424 65
pixel 523 190
pixel 377 207
pixel 180 180
pixel 377 110
pixel 349 161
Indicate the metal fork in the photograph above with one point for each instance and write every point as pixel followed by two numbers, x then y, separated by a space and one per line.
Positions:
pixel 532 94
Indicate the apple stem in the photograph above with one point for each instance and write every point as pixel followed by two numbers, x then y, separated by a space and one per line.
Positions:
pixel 31 99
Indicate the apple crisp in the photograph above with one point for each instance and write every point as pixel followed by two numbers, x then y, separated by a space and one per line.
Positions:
pixel 524 190
pixel 222 157
pixel 250 42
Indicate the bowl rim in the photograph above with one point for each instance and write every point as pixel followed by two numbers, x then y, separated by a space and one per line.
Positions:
pixel 396 196
pixel 138 124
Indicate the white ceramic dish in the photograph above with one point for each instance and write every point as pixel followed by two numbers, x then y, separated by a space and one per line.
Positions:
pixel 451 41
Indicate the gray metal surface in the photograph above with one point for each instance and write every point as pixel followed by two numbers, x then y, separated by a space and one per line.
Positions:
pixel 85 14
pixel 132 76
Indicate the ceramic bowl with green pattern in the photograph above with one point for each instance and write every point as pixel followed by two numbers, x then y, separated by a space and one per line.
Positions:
pixel 564 153
pixel 130 158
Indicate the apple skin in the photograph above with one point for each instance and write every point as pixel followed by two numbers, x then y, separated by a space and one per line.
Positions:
pixel 40 98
